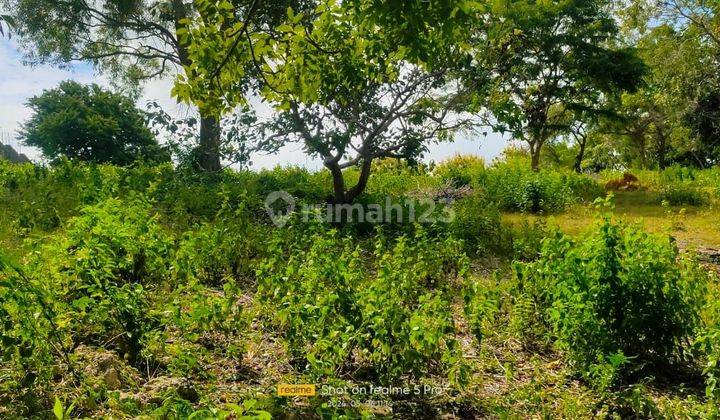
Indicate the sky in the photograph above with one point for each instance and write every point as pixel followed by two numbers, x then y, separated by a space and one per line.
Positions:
pixel 19 82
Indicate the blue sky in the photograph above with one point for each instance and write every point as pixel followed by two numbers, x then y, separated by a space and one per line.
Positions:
pixel 19 82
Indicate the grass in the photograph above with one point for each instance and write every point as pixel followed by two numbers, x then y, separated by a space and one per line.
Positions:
pixel 693 227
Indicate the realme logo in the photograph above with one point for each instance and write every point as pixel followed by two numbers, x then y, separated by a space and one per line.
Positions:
pixel 299 390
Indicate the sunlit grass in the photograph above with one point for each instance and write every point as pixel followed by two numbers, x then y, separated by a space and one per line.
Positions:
pixel 691 226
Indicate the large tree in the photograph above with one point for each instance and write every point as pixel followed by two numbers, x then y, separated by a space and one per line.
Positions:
pixel 656 124
pixel 91 124
pixel 552 62
pixel 704 122
pixel 352 81
pixel 680 42
pixel 131 40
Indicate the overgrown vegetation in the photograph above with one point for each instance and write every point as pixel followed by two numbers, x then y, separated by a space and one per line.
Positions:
pixel 140 280
pixel 156 291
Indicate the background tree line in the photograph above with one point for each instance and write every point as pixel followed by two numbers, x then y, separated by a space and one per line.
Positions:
pixel 588 83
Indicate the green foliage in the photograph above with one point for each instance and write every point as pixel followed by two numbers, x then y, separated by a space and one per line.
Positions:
pixel 517 188
pixel 178 283
pixel 618 298
pixel 482 306
pixel 559 64
pixel 31 337
pixel 90 124
pixel 476 221
pixel 461 171
pixel 527 240
pixel 703 121
pixel 113 257
pixel 682 194
pixel 60 412
pixel 382 101
pixel 389 314
pixel 221 250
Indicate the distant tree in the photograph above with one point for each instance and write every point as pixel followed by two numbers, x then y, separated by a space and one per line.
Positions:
pixel 136 40
pixel 88 123
pixel 704 121
pixel 655 129
pixel 552 62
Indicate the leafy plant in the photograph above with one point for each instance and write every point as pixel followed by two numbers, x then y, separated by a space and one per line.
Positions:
pixel 461 171
pixel 618 296
pixel 390 314
pixel 33 337
pixel 476 221
pixel 683 194
pixel 220 250
pixel 113 254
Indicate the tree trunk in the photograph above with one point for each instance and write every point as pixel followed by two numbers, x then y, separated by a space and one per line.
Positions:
pixel 338 182
pixel 580 156
pixel 340 196
pixel 535 156
pixel 208 151
pixel 362 182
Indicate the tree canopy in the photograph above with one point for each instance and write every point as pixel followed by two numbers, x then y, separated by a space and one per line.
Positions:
pixel 348 91
pixel 90 124
pixel 132 41
pixel 551 64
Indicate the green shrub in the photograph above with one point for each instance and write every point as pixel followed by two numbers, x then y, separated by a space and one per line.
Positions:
pixel 482 305
pixel 398 183
pixel 707 342
pixel 616 298
pixel 222 249
pixel 113 258
pixel 677 173
pixel 461 171
pixel 583 187
pixel 476 221
pixel 30 341
pixel 517 188
pixel 527 240
pixel 298 182
pixel 682 194
pixel 390 314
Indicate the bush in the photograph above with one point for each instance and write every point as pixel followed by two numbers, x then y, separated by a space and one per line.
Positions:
pixel 461 171
pixel 527 240
pixel 390 314
pixel 298 182
pixel 517 188
pixel 707 342
pixel 476 222
pixel 682 194
pixel 31 340
pixel 220 250
pixel 113 257
pixel 677 173
pixel 618 296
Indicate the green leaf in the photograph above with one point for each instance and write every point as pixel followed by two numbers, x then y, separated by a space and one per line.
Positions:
pixel 58 409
